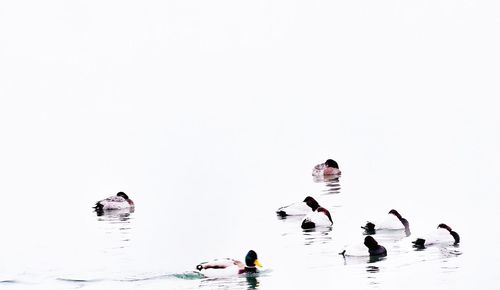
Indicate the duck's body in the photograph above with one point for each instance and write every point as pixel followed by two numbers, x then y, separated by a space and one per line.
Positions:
pixel 393 222
pixel 116 202
pixel 359 250
pixel 444 235
pixel 227 267
pixel 319 217
pixel 330 167
pixel 294 209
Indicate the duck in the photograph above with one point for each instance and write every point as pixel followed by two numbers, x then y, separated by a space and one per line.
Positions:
pixel 330 167
pixel 115 202
pixel 370 228
pixel 294 209
pixel 223 267
pixel 374 249
pixel 441 237
pixel 319 216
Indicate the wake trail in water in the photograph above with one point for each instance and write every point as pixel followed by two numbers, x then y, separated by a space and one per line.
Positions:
pixel 184 276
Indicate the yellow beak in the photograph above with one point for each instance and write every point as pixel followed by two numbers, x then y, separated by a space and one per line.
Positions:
pixel 257 263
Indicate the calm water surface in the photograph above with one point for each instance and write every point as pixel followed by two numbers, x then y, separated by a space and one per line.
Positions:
pixel 158 245
pixel 210 115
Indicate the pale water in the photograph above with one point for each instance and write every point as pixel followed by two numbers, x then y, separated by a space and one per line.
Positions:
pixel 159 245
pixel 212 114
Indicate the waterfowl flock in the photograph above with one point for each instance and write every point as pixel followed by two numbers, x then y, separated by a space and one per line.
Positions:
pixel 315 216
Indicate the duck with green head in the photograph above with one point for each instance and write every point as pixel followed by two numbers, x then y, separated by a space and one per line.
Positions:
pixel 231 266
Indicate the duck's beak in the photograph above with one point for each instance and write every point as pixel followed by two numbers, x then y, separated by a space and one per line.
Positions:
pixel 257 263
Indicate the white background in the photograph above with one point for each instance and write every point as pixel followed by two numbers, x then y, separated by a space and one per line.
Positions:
pixel 170 100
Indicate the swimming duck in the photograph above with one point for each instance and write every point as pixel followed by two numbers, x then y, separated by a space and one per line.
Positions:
pixel 319 216
pixel 357 250
pixel 118 201
pixel 228 266
pixel 294 209
pixel 370 228
pixel 330 167
pixel 439 238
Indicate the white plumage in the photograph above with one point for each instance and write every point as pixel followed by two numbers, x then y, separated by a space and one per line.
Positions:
pixel 320 219
pixel 294 209
pixel 438 237
pixel 118 201
pixel 114 202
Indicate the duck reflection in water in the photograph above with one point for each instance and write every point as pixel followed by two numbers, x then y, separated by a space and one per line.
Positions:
pixel 252 281
pixel 113 215
pixel 317 236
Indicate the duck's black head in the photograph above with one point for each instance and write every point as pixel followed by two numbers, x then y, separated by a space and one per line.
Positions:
pixel 394 212
pixel 311 202
pixel 444 226
pixel 331 163
pixel 369 228
pixel 307 224
pixel 370 242
pixel 122 194
pixel 419 243
pixel 251 260
pixel 281 213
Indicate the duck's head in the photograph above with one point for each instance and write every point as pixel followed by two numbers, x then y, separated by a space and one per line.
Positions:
pixel 370 242
pixel 331 163
pixel 251 260
pixel 122 194
pixel 311 202
pixel 419 243
pixel 369 227
pixel 444 226
pixel 395 213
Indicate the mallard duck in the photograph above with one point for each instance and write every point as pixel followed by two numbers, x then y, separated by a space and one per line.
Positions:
pixel 223 267
pixel 319 216
pixel 118 201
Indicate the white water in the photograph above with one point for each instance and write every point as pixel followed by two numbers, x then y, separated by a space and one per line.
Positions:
pixel 211 116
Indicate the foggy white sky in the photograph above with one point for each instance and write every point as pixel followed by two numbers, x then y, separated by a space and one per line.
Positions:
pixel 100 95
